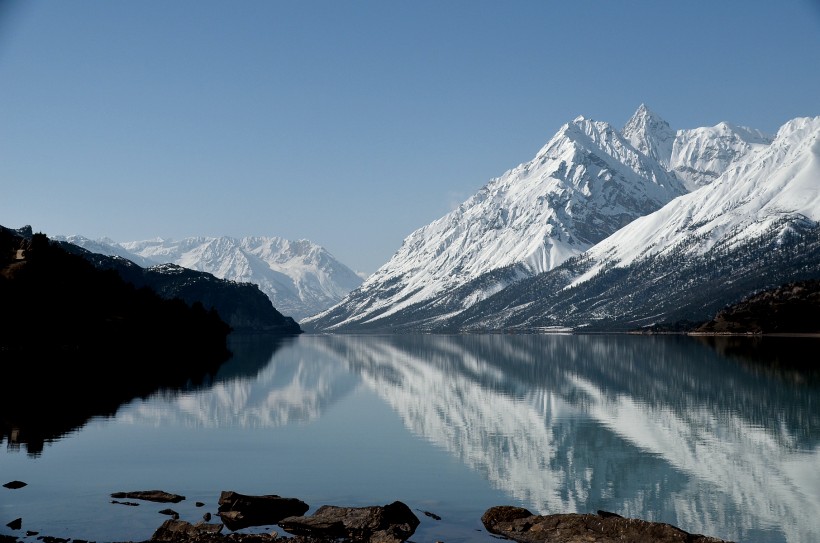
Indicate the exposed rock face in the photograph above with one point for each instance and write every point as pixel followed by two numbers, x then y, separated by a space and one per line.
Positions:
pixel 519 524
pixel 239 511
pixel 392 523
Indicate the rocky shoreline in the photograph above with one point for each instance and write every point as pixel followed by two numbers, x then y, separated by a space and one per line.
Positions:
pixel 391 523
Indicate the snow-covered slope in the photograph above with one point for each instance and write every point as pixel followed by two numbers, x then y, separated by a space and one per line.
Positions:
pixel 701 155
pixel 696 156
pixel 754 227
pixel 769 184
pixel 584 184
pixel 300 277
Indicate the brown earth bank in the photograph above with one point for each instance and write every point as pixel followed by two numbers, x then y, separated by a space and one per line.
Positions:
pixel 793 308
pixel 391 523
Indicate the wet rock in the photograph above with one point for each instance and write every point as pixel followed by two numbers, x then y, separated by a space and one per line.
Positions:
pixel 520 525
pixel 173 530
pixel 602 513
pixel 15 484
pixel 149 495
pixel 199 504
pixel 431 515
pixel 130 504
pixel 170 513
pixel 392 523
pixel 239 511
pixel 15 524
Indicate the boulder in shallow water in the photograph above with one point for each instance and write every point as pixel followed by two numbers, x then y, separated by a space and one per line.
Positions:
pixel 150 495
pixel 241 511
pixel 520 525
pixel 392 523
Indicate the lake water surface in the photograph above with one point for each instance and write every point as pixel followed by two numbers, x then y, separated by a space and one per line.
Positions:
pixel 668 428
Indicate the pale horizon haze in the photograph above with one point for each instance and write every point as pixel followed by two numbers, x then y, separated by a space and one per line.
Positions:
pixel 352 124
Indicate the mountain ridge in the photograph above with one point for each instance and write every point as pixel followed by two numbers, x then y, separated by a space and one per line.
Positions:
pixel 583 185
pixel 300 277
pixel 765 195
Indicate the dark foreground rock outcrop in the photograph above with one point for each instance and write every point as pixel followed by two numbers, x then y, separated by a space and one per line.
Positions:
pixel 520 525
pixel 239 511
pixel 392 523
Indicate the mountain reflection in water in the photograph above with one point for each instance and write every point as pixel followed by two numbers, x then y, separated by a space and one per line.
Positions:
pixel 666 428
pixel 660 428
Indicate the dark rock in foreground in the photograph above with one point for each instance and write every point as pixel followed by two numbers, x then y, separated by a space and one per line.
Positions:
pixel 392 523
pixel 520 525
pixel 150 495
pixel 239 511
pixel 178 530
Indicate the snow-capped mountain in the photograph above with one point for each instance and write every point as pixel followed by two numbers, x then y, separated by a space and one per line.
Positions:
pixel 772 183
pixel 651 135
pixel 583 185
pixel 300 277
pixel 701 155
pixel 108 247
pixel 506 257
pixel 696 156
pixel 755 227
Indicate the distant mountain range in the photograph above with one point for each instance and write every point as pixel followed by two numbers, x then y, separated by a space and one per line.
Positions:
pixel 300 277
pixel 242 306
pixel 608 229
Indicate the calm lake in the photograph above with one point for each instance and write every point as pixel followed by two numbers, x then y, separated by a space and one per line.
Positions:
pixel 720 437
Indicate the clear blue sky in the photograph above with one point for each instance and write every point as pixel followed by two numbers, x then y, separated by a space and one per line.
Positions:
pixel 352 123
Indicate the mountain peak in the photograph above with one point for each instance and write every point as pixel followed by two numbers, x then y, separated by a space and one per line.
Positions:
pixel 582 186
pixel 650 134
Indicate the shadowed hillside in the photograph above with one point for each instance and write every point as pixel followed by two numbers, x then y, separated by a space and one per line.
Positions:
pixel 78 342
pixel 793 308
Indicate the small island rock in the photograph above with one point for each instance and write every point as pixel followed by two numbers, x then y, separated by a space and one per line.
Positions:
pixel 520 525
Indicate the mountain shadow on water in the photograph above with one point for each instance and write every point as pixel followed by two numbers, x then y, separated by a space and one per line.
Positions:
pixel 78 342
pixel 786 358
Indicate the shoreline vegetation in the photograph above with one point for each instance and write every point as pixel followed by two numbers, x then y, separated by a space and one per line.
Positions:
pixel 391 523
